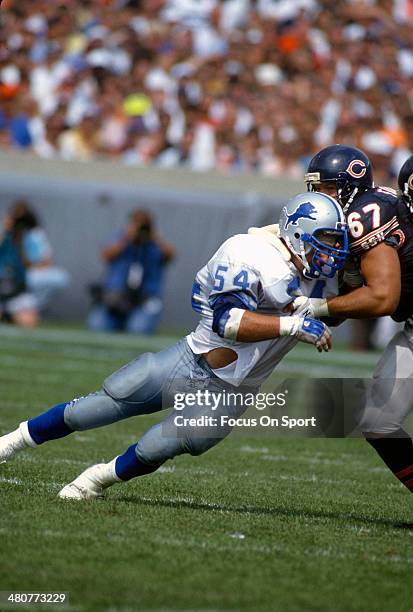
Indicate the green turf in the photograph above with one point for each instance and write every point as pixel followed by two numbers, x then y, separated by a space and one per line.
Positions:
pixel 258 523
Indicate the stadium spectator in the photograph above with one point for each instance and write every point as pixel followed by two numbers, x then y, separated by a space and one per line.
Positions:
pixel 17 305
pixel 238 85
pixel 43 279
pixel 130 298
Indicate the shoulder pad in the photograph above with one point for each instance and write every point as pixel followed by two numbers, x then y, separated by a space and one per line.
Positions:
pixel 371 218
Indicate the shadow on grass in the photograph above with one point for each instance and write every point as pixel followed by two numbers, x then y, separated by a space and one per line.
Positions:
pixel 279 512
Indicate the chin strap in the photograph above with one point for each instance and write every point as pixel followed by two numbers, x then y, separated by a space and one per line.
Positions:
pixel 350 200
pixel 307 272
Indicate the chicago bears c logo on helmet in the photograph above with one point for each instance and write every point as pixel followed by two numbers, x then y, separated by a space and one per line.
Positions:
pixel 410 182
pixel 304 211
pixel 357 168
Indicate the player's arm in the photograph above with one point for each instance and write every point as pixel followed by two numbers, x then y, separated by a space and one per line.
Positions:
pixel 254 327
pixel 371 224
pixel 234 321
pixel 380 295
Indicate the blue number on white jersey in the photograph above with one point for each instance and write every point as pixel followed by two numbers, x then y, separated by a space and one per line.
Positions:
pixel 220 278
pixel 241 280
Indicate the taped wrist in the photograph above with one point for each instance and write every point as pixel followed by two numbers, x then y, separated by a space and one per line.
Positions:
pixel 320 308
pixel 289 325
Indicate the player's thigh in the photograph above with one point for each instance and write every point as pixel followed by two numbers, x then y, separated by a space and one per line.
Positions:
pixel 135 389
pixel 142 385
pixel 390 394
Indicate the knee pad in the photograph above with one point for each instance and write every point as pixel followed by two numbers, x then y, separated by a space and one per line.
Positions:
pixel 135 382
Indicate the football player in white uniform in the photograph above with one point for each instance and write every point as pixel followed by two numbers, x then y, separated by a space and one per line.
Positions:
pixel 244 296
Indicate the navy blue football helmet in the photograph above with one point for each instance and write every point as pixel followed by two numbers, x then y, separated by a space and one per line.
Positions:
pixel 347 166
pixel 405 182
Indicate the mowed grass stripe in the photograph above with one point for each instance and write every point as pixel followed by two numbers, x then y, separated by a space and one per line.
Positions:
pixel 83 338
pixel 299 361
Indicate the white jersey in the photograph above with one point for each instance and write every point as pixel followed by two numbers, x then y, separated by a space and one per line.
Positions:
pixel 258 268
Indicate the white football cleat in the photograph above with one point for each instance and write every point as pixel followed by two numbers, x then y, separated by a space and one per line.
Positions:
pixel 13 442
pixel 91 483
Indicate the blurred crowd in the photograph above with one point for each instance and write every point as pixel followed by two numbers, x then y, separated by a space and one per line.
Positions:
pixel 235 85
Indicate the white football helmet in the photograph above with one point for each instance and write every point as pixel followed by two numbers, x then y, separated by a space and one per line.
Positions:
pixel 315 221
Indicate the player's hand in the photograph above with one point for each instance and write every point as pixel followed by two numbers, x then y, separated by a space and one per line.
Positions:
pixel 307 330
pixel 311 307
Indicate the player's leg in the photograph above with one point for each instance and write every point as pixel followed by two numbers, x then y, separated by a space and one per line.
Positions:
pixel 389 401
pixel 134 389
pixel 160 443
pixel 175 435
pixel 139 459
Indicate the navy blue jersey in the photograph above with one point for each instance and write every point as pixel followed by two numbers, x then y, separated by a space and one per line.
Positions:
pixel 378 215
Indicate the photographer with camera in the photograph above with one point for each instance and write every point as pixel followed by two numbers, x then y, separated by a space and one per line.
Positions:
pixel 17 305
pixel 130 298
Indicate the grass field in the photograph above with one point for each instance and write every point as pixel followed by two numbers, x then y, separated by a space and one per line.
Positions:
pixel 258 523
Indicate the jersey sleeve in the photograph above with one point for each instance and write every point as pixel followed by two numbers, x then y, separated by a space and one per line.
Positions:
pixel 230 277
pixel 372 219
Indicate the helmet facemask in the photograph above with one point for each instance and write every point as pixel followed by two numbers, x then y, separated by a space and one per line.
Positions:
pixel 323 242
pixel 407 195
pixel 332 244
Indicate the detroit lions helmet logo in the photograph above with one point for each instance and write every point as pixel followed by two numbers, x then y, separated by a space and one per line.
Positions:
pixel 304 211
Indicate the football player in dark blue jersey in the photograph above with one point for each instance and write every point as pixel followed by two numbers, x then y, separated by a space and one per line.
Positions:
pixel 381 278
